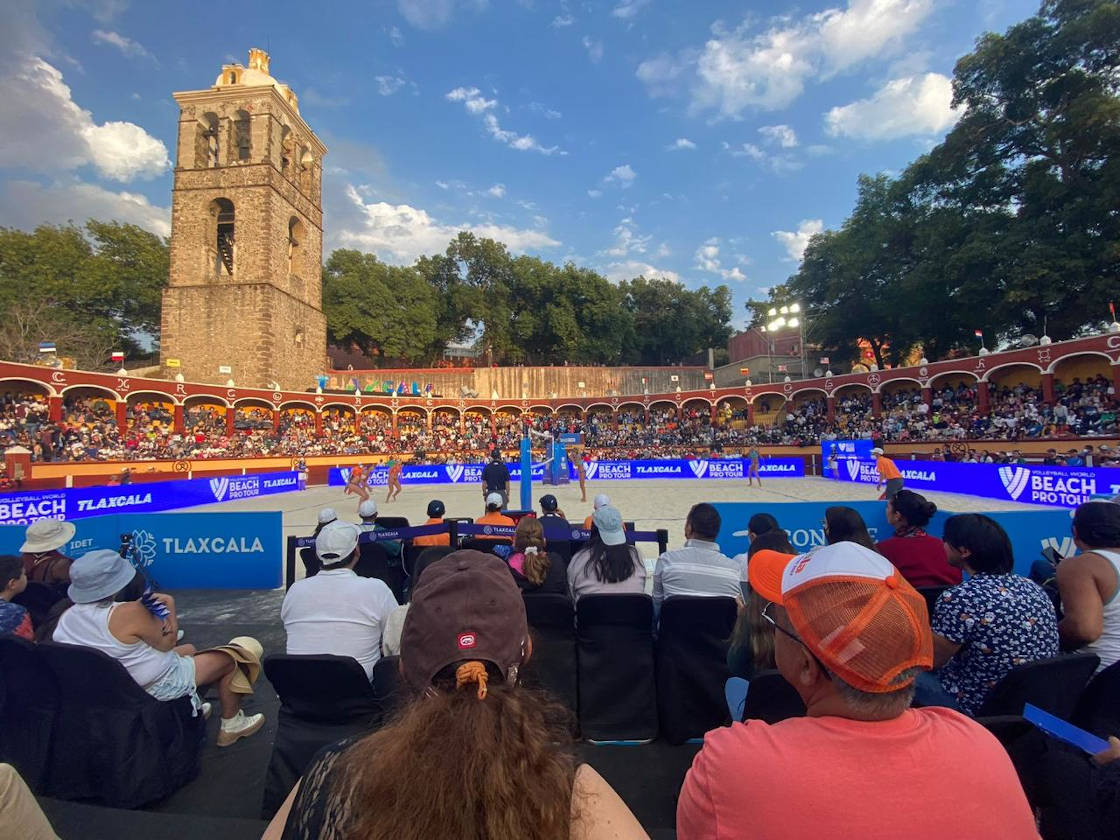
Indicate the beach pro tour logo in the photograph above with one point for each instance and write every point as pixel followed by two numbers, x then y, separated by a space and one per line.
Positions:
pixel 590 468
pixel 853 468
pixel 698 468
pixel 219 487
pixel 1062 545
pixel 1014 480
pixel 455 472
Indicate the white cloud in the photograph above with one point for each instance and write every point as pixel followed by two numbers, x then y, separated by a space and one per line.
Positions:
pixel 628 9
pixel 401 233
pixel 545 111
pixel 126 45
pixel 795 242
pixel 622 175
pixel 780 163
pixel 27 204
pixel 919 105
pixel 627 240
pixel 594 193
pixel 472 99
pixel 44 130
pixel 396 37
pixel 663 250
pixel 616 272
pixel 746 150
pixel 594 49
pixel 768 69
pixel 708 259
pixel 560 21
pixel 497 191
pixel 388 85
pixel 681 143
pixel 477 104
pixel 443 185
pixel 432 14
pixel 779 135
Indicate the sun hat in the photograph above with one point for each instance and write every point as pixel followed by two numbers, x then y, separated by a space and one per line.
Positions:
pixel 247 652
pixel 609 522
pixel 436 509
pixel 367 509
pixel 602 500
pixel 465 607
pixel 337 541
pixel 47 535
pixel 495 499
pixel 97 575
pixel 327 515
pixel 877 451
pixel 549 503
pixel 852 609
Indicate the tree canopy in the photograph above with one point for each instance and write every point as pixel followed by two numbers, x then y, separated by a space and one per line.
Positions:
pixel 1009 224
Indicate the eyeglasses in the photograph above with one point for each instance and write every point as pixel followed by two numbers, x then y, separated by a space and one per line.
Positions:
pixel 770 620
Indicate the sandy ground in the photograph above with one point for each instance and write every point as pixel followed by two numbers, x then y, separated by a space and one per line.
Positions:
pixel 650 503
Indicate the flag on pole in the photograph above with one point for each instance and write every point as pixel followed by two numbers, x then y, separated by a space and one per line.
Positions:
pixel 978 333
pixel 46 347
pixel 1112 309
pixel 824 360
pixel 745 371
pixel 781 368
pixel 118 356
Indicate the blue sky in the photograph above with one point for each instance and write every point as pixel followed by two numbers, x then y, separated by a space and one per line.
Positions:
pixel 703 141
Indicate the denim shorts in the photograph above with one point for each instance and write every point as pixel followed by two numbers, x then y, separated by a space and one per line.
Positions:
pixel 177 682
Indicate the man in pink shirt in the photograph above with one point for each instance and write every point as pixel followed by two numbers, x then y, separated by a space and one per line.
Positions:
pixel 851 634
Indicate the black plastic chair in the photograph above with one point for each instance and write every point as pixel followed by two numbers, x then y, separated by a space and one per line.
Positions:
pixel 113 742
pixel 552 667
pixel 1098 708
pixel 392 521
pixel 374 562
pixel 322 699
pixel 387 685
pixel 692 642
pixel 931 594
pixel 771 699
pixel 38 599
pixel 1054 685
pixel 485 545
pixel 614 650
pixel 29 704
pixel 311 562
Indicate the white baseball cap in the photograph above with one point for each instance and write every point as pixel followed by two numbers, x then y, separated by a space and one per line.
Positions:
pixel 494 499
pixel 327 515
pixel 337 541
pixel 876 451
pixel 602 500
pixel 367 509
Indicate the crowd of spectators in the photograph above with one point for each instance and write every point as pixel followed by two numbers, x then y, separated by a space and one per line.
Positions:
pixel 89 431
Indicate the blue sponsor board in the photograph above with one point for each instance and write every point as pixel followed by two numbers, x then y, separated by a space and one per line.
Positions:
pixel 601 470
pixel 844 449
pixel 76 503
pixel 1030 531
pixel 1065 487
pixel 185 550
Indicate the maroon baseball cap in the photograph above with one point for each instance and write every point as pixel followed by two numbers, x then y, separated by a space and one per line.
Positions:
pixel 466 607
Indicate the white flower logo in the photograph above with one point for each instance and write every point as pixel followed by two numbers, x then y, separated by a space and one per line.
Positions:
pixel 143 548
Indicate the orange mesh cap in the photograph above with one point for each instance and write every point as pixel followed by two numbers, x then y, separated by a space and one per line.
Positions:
pixel 852 609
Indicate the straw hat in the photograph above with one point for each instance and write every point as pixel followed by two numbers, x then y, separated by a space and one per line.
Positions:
pixel 247 653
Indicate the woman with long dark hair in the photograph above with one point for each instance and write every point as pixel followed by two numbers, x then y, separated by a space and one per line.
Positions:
pixel 844 524
pixel 607 565
pixel 472 754
pixel 752 641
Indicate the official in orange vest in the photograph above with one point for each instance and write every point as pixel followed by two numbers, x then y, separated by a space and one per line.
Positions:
pixel 888 473
pixel 436 511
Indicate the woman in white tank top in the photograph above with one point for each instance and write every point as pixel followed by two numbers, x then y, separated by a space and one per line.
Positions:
pixel 1090 583
pixel 108 615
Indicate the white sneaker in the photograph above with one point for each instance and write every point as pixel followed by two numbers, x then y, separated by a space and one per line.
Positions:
pixel 179 635
pixel 206 709
pixel 239 726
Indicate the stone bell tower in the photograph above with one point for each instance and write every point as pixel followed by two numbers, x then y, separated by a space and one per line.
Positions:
pixel 245 289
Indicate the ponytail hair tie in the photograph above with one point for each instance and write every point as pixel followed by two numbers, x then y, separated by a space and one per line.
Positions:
pixel 472 672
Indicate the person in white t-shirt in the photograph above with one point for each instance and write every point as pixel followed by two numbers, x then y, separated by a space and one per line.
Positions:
pixel 336 611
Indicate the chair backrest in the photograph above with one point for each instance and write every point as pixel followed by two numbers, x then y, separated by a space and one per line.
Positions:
pixel 485 545
pixel 931 594
pixel 1098 708
pixel 92 678
pixel 549 610
pixel 37 599
pixel 462 520
pixel 29 702
pixel 692 668
pixel 387 685
pixel 770 698
pixel 614 649
pixel 408 558
pixel 392 521
pixel 324 687
pixel 1054 685
pixel 311 562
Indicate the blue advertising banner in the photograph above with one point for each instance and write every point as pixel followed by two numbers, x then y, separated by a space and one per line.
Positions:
pixel 602 470
pixel 1030 531
pixel 185 550
pixel 843 449
pixel 23 507
pixel 1065 487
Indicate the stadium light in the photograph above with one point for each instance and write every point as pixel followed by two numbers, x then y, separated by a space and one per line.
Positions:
pixel 784 310
pixel 795 307
pixel 772 312
pixel 793 322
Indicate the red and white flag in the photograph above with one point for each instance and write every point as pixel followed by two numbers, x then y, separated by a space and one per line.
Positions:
pixel 118 356
pixel 781 368
pixel 978 333
pixel 824 360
